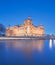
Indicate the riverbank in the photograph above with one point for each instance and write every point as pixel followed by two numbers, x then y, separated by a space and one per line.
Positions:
pixel 27 37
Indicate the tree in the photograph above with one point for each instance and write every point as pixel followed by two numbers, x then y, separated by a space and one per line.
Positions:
pixel 2 29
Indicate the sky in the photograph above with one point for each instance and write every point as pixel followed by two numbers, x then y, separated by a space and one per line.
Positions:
pixel 14 12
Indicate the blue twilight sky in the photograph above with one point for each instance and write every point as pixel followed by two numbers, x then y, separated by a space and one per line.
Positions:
pixel 13 12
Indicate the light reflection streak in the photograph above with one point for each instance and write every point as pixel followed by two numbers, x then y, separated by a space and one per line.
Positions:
pixel 50 43
pixel 54 42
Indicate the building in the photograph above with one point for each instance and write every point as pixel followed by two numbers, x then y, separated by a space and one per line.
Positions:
pixel 26 29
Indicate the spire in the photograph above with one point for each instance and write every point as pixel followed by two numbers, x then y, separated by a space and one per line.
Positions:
pixel 28 17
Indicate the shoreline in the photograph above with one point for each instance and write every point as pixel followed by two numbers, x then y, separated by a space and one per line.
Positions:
pixel 27 37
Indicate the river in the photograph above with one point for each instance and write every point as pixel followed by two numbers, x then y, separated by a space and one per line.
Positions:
pixel 27 52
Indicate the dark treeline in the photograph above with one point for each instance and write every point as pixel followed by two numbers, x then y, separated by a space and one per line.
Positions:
pixel 2 30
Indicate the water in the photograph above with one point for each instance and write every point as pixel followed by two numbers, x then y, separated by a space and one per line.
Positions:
pixel 27 52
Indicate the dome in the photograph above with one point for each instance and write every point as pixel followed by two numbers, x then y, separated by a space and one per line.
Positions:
pixel 28 21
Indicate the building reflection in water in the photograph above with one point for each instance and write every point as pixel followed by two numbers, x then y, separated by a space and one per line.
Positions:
pixel 26 45
pixel 38 44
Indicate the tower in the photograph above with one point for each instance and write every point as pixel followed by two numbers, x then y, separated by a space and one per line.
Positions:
pixel 28 21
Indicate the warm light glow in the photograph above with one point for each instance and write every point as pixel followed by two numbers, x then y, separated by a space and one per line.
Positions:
pixel 26 29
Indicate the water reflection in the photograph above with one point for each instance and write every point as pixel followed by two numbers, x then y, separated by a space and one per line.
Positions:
pixel 26 45
pixel 50 43
pixel 30 52
pixel 54 42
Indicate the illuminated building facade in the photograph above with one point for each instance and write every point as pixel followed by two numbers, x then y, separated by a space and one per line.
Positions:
pixel 26 29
